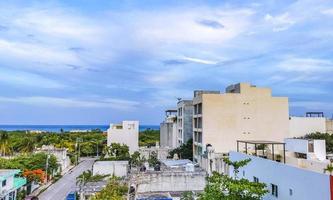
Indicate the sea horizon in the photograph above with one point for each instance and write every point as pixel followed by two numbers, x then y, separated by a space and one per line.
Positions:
pixel 57 128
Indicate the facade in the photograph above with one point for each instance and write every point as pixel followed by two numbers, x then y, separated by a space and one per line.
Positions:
pixel 284 181
pixel 243 112
pixel 125 133
pixel 329 126
pixel 300 126
pixel 184 121
pixel 168 130
pixel 162 153
pixel 116 168
pixel 10 185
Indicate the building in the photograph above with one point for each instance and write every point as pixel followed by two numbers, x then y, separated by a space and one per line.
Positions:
pixel 301 126
pixel 290 170
pixel 184 121
pixel 125 133
pixel 244 111
pixel 284 181
pixel 10 183
pixel 60 153
pixel 116 168
pixel 161 152
pixel 174 176
pixel 168 130
pixel 329 126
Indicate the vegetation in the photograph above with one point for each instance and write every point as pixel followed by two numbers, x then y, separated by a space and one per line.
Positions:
pixel 324 136
pixel 115 190
pixel 25 142
pixel 152 160
pixel 87 177
pixel 30 162
pixel 187 196
pixel 185 151
pixel 228 188
pixel 116 151
pixel 149 137
pixel 329 168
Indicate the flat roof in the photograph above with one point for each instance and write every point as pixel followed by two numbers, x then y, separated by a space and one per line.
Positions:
pixel 170 162
pixel 260 142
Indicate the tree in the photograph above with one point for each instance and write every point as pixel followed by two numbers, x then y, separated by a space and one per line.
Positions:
pixel 115 190
pixel 185 151
pixel 4 144
pixel 116 151
pixel 329 168
pixel 83 178
pixel 152 160
pixel 228 188
pixel 187 196
pixel 37 175
pixel 136 159
pixel 28 145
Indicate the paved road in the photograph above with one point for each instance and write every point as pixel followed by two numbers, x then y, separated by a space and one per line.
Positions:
pixel 67 183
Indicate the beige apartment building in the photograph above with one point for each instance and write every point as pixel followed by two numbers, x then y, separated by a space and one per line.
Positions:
pixel 243 112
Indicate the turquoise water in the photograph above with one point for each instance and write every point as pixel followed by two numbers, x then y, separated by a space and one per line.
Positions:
pixel 56 128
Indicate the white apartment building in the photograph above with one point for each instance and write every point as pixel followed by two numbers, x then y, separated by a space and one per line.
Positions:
pixel 169 131
pixel 184 121
pixel 329 126
pixel 244 112
pixel 10 185
pixel 125 133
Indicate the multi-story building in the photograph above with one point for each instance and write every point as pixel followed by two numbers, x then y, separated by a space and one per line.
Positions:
pixel 301 126
pixel 168 130
pixel 244 111
pixel 10 184
pixel 329 126
pixel 125 133
pixel 296 170
pixel 184 121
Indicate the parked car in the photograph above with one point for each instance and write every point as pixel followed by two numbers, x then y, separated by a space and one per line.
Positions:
pixel 71 196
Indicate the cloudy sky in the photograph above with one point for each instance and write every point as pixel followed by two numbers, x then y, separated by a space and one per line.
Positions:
pixel 83 62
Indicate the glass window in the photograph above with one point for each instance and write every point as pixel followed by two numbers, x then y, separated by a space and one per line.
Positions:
pixel 274 190
pixel 4 183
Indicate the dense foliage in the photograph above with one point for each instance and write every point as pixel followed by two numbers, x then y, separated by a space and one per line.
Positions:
pixel 30 162
pixel 114 190
pixel 116 151
pixel 324 136
pixel 25 142
pixel 87 177
pixel 149 137
pixel 185 151
pixel 228 188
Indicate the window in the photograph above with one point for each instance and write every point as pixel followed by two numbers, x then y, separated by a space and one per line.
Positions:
pixel 195 122
pixel 4 183
pixel 255 179
pixel 199 122
pixel 274 190
pixel 290 192
pixel 199 137
pixel 200 108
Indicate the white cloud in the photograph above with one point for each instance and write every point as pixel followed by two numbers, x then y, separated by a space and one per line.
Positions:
pixel 308 65
pixel 280 22
pixel 72 103
pixel 327 11
pixel 26 79
pixel 201 61
pixel 313 105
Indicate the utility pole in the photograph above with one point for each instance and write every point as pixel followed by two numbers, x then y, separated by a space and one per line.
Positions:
pixel 78 149
pixel 47 166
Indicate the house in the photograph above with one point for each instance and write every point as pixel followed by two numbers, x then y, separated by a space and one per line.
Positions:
pixel 10 183
pixel 60 153
pixel 126 133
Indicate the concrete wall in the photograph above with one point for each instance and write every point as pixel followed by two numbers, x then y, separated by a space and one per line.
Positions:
pixel 329 126
pixel 252 114
pixel 186 120
pixel 162 153
pixel 168 134
pixel 300 126
pixel 117 168
pixel 170 181
pixel 125 133
pixel 305 184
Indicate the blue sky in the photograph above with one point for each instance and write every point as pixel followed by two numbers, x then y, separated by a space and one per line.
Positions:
pixel 83 62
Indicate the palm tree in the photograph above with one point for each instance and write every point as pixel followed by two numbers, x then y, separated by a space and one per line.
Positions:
pixel 329 168
pixel 84 178
pixel 4 144
pixel 28 145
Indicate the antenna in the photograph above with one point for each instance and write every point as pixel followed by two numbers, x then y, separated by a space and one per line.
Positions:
pixel 179 99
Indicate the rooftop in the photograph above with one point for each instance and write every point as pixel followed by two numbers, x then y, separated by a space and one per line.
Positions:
pixel 259 142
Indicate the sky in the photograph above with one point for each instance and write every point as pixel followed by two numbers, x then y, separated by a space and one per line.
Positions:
pixel 97 62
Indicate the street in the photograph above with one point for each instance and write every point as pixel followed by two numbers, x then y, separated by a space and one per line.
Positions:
pixel 67 183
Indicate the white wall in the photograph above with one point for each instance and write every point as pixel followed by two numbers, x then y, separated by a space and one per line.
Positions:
pixel 305 184
pixel 117 168
pixel 320 149
pixel 300 126
pixel 128 134
pixel 170 181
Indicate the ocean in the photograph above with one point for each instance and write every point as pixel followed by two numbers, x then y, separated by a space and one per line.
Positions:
pixel 56 128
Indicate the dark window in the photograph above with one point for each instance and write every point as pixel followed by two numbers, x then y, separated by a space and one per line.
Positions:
pixel 4 183
pixel 290 192
pixel 255 179
pixel 275 191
